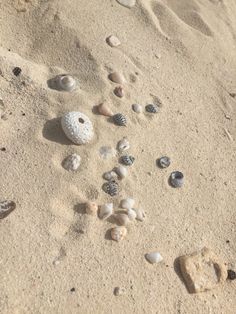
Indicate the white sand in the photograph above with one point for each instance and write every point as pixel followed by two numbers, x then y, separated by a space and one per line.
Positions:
pixel 181 51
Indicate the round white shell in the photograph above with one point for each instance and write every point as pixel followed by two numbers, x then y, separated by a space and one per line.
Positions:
pixel 154 257
pixel 113 41
pixel 72 162
pixel 127 203
pixel 77 127
pixel 66 83
pixel 106 211
pixel 121 171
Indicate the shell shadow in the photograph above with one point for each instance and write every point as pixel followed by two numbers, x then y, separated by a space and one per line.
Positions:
pixel 80 208
pixel 53 132
pixel 178 272
pixel 108 235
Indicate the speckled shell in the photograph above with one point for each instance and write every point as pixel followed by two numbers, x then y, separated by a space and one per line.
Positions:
pixel 6 207
pixel 77 127
pixel 72 162
pixel 111 188
pixel 66 83
pixel 118 233
pixel 127 160
pixel 120 119
pixel 176 179
pixel 152 108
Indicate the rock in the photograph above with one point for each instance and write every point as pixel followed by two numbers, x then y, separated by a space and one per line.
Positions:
pixel 6 207
pixel 137 108
pixel 113 41
pixel 91 208
pixel 202 270
pixel 127 3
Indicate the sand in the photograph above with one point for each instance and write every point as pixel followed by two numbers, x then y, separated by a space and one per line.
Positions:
pixel 181 52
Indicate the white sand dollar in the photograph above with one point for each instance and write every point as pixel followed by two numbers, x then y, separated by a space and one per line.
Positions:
pixel 77 127
pixel 127 3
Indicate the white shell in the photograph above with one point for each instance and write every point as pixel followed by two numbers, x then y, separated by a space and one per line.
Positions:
pixel 127 3
pixel 127 203
pixel 77 127
pixel 118 233
pixel 131 214
pixel 110 175
pixel 154 257
pixel 113 41
pixel 123 219
pixel 123 145
pixel 91 208
pixel 117 77
pixel 106 211
pixel 121 171
pixel 137 108
pixel 66 83
pixel 72 162
pixel 140 214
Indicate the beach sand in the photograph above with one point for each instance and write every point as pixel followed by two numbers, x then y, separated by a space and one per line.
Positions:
pixel 180 52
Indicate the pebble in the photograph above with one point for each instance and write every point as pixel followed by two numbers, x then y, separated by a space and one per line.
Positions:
pixel 106 211
pixel 231 274
pixel 163 162
pixel 72 162
pixel 91 208
pixel 104 110
pixel 131 214
pixel 77 127
pixel 65 83
pixel 120 119
pixel 127 203
pixel 123 145
pixel 137 108
pixel 118 291
pixel 111 188
pixel 6 207
pixel 113 41
pixel 140 214
pixel 117 77
pixel 110 175
pixel 127 3
pixel 119 91
pixel 123 219
pixel 121 171
pixel 154 257
pixel 176 179
pixel 118 233
pixel 127 160
pixel 107 152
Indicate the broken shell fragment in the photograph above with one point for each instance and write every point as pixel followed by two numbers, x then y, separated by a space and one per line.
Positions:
pixel 91 208
pixel 154 257
pixel 140 214
pixel 106 211
pixel 118 233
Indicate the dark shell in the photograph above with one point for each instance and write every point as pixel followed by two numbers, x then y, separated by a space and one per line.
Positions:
pixel 111 188
pixel 163 162
pixel 152 108
pixel 127 160
pixel 120 119
pixel 231 274
pixel 176 179
pixel 6 207
pixel 16 71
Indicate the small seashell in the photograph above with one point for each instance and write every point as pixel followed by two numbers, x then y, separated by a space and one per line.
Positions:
pixel 163 162
pixel 91 208
pixel 140 214
pixel 6 207
pixel 113 41
pixel 106 211
pixel 120 119
pixel 154 257
pixel 137 108
pixel 127 203
pixel 119 91
pixel 123 145
pixel 117 77
pixel 123 219
pixel 131 214
pixel 72 162
pixel 127 160
pixel 104 110
pixel 111 188
pixel 16 71
pixel 110 175
pixel 121 171
pixel 152 108
pixel 107 152
pixel 118 233
pixel 66 82
pixel 77 127
pixel 127 3
pixel 176 179
pixel 118 291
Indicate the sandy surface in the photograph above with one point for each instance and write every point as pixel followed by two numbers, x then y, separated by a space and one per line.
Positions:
pixel 184 53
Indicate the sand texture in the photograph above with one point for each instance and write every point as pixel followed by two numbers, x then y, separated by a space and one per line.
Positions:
pixel 181 53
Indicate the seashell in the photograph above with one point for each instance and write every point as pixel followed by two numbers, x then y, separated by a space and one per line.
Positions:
pixel 120 119
pixel 118 291
pixel 77 127
pixel 123 145
pixel 121 171
pixel 91 208
pixel 6 207
pixel 140 214
pixel 123 219
pixel 137 108
pixel 131 214
pixel 111 188
pixel 152 108
pixel 16 71
pixel 106 211
pixel 176 179
pixel 110 175
pixel 127 3
pixel 113 41
pixel 104 110
pixel 72 162
pixel 163 162
pixel 154 257
pixel 117 77
pixel 65 82
pixel 127 203
pixel 107 152
pixel 118 233
pixel 119 91
pixel 127 160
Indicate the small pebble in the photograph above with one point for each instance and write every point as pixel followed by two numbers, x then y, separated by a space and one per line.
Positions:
pixel 118 233
pixel 72 162
pixel 118 291
pixel 231 274
pixel 176 179
pixel 127 3
pixel 154 257
pixel 117 77
pixel 123 219
pixel 120 119
pixel 119 91
pixel 121 171
pixel 113 41
pixel 16 71
pixel 137 108
pixel 123 145
pixel 111 188
pixel 72 290
pixel 127 160
pixel 163 162
pixel 152 108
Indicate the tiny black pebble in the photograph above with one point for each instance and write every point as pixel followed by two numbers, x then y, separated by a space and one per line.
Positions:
pixel 231 274
pixel 227 241
pixel 3 149
pixel 23 114
pixel 16 71
pixel 72 289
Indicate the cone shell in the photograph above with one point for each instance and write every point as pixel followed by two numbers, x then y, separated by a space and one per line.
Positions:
pixel 104 110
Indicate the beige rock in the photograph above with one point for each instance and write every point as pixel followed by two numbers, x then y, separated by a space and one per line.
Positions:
pixel 104 110
pixel 117 77
pixel 202 270
pixel 119 91
pixel 113 41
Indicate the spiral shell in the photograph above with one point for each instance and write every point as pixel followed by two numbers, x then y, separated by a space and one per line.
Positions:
pixel 111 188
pixel 152 108
pixel 72 162
pixel 163 162
pixel 127 160
pixel 176 179
pixel 106 211
pixel 120 119
pixel 6 207
pixel 65 82
pixel 118 233
pixel 77 127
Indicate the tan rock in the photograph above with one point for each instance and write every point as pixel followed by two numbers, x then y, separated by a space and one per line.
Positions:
pixel 202 270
